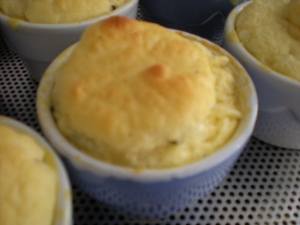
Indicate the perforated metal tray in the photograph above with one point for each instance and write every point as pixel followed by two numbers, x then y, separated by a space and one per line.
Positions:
pixel 263 187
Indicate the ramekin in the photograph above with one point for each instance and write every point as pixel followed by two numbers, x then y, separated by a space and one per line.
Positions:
pixel 39 44
pixel 278 121
pixel 63 209
pixel 148 194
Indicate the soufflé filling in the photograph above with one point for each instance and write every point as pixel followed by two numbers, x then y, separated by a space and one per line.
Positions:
pixel 270 31
pixel 138 95
pixel 58 11
pixel 28 184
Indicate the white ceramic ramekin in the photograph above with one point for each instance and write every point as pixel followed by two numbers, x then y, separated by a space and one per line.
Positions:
pixel 63 209
pixel 278 121
pixel 148 194
pixel 39 44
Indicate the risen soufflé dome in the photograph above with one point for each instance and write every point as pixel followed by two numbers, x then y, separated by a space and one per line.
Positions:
pixel 138 95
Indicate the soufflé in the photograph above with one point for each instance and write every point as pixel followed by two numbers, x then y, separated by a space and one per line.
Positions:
pixel 58 11
pixel 137 95
pixel 270 31
pixel 28 182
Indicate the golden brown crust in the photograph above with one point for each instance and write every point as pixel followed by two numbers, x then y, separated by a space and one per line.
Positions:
pixel 131 89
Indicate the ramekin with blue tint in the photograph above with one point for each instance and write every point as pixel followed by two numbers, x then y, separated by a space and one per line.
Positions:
pixel 149 194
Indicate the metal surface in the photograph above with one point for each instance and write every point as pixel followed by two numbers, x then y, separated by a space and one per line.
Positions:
pixel 263 187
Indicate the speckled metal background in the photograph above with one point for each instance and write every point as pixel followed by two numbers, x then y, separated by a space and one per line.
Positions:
pixel 263 187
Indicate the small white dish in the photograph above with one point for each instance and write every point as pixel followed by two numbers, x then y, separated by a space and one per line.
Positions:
pixel 64 208
pixel 278 121
pixel 148 194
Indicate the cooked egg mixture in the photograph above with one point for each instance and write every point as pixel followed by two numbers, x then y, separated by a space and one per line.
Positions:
pixel 58 11
pixel 27 184
pixel 151 97
pixel 270 31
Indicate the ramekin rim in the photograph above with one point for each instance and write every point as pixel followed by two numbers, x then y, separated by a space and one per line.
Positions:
pixel 230 27
pixel 63 177
pixel 62 26
pixel 147 175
